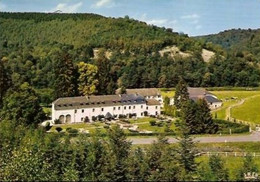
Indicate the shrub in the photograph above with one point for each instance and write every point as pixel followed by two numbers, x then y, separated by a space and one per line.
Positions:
pixel 153 123
pixel 94 118
pixel 58 129
pixel 121 116
pixel 106 126
pixel 225 126
pixel 57 121
pixel 86 119
pixel 48 126
pixel 72 131
pixel 100 117
pixel 160 123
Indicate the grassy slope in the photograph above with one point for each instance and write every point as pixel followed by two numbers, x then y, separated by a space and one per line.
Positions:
pixel 249 111
pixel 240 95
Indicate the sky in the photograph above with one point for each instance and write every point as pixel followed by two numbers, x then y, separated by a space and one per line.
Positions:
pixel 193 17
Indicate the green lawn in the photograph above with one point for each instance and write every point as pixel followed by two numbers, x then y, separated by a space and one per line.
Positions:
pixel 249 111
pixel 91 127
pixel 221 113
pixel 238 94
pixel 246 111
pixel 144 124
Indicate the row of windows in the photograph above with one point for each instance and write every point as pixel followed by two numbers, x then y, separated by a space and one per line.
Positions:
pixel 102 109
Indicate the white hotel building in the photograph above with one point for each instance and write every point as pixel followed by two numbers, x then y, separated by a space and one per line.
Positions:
pixel 84 109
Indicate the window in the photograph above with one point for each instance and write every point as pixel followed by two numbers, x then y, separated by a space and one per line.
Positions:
pixel 75 110
pixel 82 119
pixel 141 106
pixel 114 108
pixel 118 108
pixel 129 107
pixel 156 107
pixel 93 110
pixel 82 110
pixel 147 108
pixel 125 108
pixel 102 109
pixel 141 114
pixel 133 107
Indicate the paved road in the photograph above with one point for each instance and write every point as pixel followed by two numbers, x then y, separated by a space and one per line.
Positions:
pixel 253 137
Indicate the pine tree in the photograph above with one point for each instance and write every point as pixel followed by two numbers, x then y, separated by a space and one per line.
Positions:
pixel 65 84
pixel 119 149
pixel 106 84
pixel 216 164
pixel 189 117
pixel 138 169
pixel 205 122
pixel 186 153
pixel 162 161
pixel 249 166
pixel 181 94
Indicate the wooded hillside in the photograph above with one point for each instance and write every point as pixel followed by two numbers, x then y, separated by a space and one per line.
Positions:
pixel 45 50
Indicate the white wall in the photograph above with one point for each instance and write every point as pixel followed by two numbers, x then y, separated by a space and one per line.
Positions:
pixel 78 116
pixel 215 105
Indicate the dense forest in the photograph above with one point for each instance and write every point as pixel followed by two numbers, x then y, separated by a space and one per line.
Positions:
pixel 48 51
pixel 244 43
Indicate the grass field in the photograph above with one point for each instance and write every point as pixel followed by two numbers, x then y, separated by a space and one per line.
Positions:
pixel 249 111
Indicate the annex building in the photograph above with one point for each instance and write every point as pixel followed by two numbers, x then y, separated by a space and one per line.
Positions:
pixel 201 93
pixel 87 108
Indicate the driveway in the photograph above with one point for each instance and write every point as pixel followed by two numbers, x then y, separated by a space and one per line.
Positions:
pixel 253 137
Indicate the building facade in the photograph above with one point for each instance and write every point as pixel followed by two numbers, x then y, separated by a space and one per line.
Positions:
pixel 86 109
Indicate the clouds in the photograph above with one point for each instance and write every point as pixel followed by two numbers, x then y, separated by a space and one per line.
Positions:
pixel 68 8
pixel 193 19
pixel 191 16
pixel 104 4
pixel 2 6
pixel 158 21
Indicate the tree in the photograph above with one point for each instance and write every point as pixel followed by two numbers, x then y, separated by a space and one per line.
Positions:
pixel 138 169
pixel 217 168
pixel 181 94
pixel 87 80
pixel 186 152
pixel 189 117
pixel 65 84
pixel 162 161
pixel 4 82
pixel 204 118
pixel 118 153
pixel 105 78
pixel 21 106
pixel 249 166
